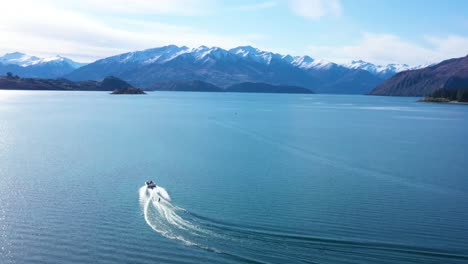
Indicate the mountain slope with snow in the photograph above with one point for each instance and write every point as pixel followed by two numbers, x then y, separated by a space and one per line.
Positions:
pixel 211 64
pixel 449 74
pixel 31 66
pixel 383 71
pixel 18 58
pixel 228 67
pixel 265 57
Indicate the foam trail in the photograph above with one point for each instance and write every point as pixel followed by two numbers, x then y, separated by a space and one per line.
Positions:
pixel 162 217
pixel 194 230
pixel 163 193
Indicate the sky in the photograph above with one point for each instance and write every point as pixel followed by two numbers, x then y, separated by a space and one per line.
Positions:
pixel 379 31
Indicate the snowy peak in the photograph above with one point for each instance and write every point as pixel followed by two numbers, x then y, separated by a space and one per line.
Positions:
pixel 381 70
pixel 363 65
pixel 168 53
pixel 303 62
pixel 321 65
pixel 399 67
pixel 18 58
pixel 59 60
pixel 245 51
pixel 24 60
pixel 260 56
pixel 165 54
pixel 214 53
pixel 156 55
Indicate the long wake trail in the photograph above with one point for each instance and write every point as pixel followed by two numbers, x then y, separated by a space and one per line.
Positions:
pixel 165 219
pixel 257 245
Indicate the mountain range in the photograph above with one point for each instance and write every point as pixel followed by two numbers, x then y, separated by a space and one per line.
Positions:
pixel 218 66
pixel 385 72
pixel 450 74
pixel 35 67
pixel 224 68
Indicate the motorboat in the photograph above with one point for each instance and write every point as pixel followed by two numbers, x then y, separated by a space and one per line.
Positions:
pixel 150 185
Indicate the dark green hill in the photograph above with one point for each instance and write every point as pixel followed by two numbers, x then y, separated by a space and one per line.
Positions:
pixel 251 87
pixel 449 74
pixel 17 83
pixel 185 86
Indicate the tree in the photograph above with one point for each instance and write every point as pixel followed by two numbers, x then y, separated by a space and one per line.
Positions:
pixel 462 95
pixel 9 75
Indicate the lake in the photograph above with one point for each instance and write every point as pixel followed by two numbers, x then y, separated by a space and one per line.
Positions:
pixel 242 178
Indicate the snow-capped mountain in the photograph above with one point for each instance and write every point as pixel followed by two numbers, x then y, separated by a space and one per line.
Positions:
pixel 18 58
pixel 60 60
pixel 227 67
pixel 322 64
pixel 384 71
pixel 449 75
pixel 205 54
pixel 31 66
pixel 155 55
pixel 303 62
pixel 251 53
pixel 210 64
pixel 25 60
pixel 166 54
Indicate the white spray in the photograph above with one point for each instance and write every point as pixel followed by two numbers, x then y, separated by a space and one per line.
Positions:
pixel 162 217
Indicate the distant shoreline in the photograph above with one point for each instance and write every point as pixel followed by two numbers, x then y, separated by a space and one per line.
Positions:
pixel 441 101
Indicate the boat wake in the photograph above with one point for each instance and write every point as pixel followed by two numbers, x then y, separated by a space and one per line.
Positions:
pixel 166 219
pixel 258 245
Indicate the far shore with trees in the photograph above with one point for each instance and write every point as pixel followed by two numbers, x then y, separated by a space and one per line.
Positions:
pixel 453 96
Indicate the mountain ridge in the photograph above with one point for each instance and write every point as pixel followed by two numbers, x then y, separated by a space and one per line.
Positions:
pixel 448 74
pixel 224 68
pixel 215 65
pixel 36 67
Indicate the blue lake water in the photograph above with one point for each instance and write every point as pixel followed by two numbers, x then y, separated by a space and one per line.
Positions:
pixel 253 178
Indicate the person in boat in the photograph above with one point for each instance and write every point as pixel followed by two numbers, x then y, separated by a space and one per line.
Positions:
pixel 150 184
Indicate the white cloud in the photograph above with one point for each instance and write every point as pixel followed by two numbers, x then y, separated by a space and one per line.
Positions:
pixel 90 29
pixel 316 9
pixel 45 30
pixel 258 6
pixel 451 46
pixel 389 48
pixel 159 7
